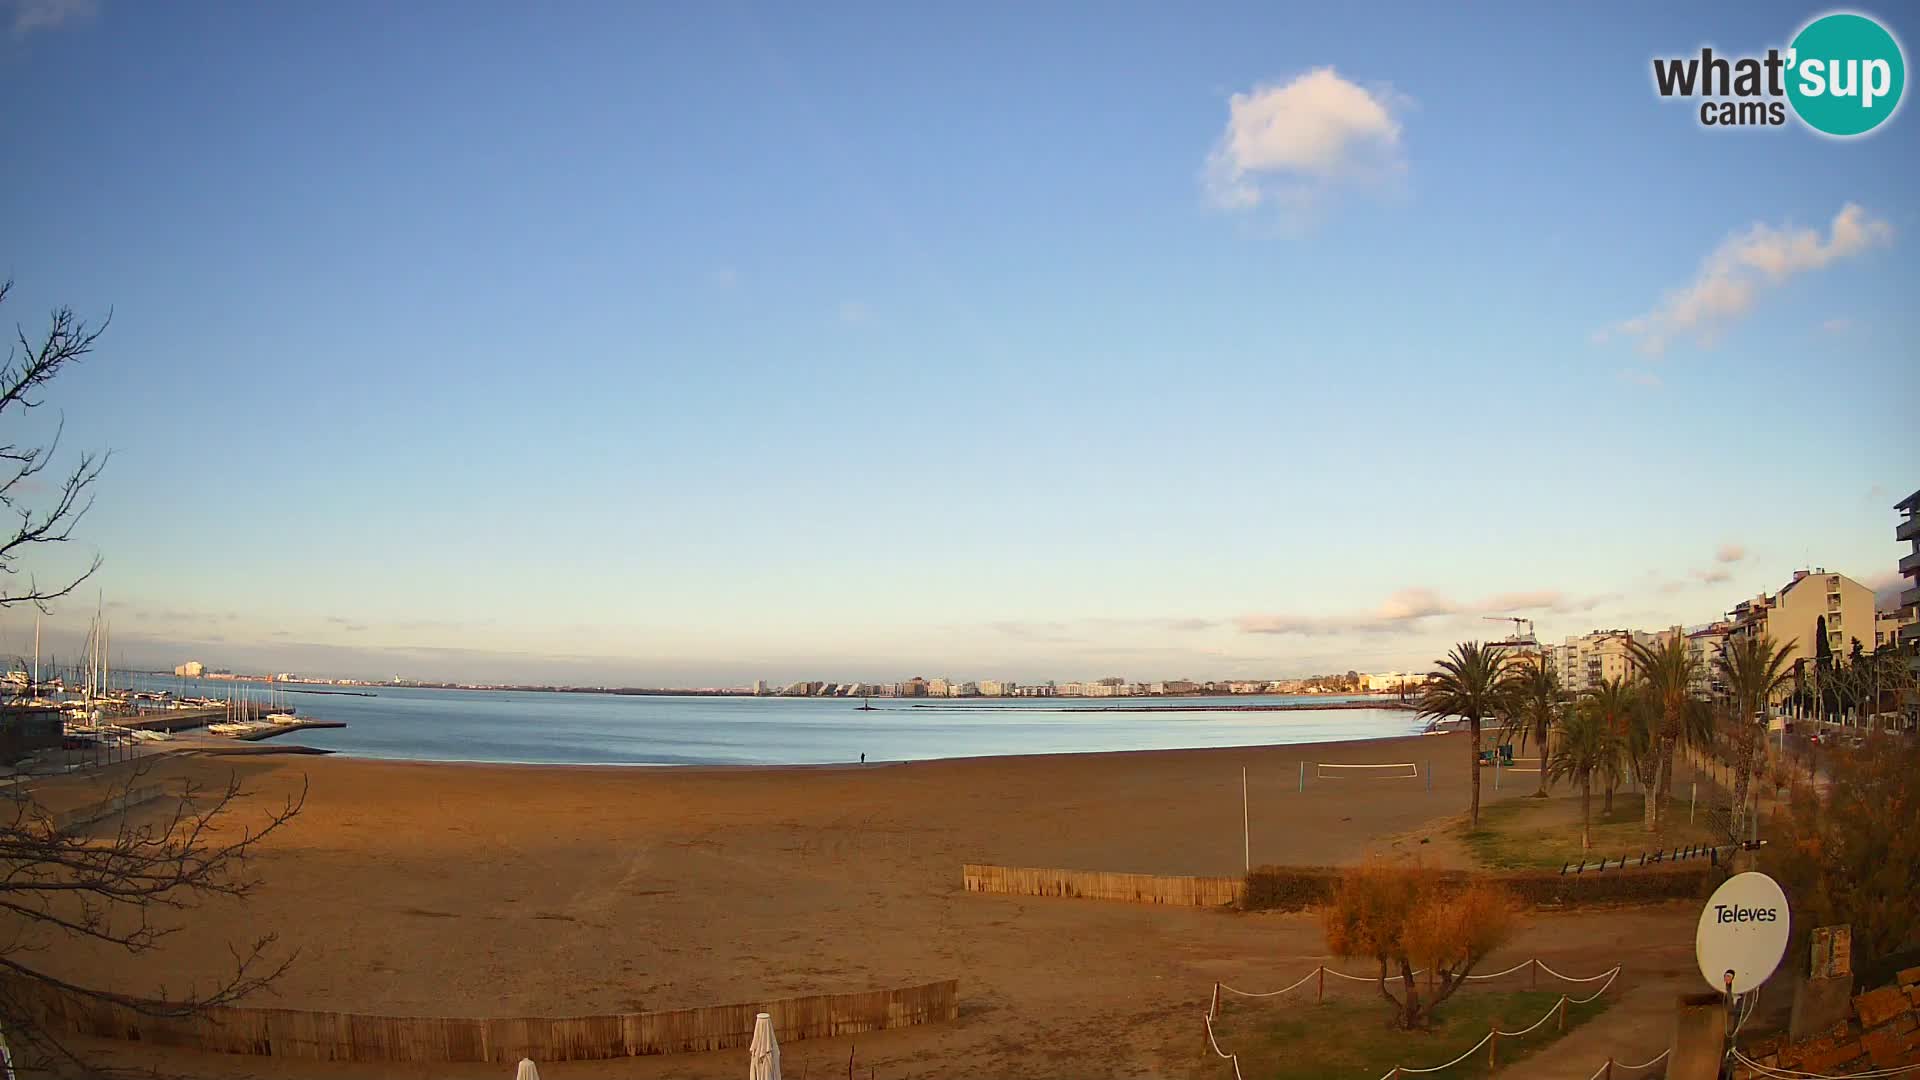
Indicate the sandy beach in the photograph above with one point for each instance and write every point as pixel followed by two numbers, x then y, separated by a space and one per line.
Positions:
pixel 445 889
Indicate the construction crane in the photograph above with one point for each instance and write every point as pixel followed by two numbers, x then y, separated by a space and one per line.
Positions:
pixel 1518 637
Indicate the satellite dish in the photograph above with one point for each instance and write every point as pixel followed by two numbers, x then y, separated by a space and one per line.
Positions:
pixel 1743 933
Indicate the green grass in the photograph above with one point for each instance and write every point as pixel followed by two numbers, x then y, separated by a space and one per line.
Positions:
pixel 1535 834
pixel 1348 1036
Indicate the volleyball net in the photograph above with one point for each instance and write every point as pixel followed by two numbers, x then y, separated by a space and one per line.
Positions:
pixel 1397 770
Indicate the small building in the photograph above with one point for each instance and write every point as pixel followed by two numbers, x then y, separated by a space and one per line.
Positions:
pixel 27 729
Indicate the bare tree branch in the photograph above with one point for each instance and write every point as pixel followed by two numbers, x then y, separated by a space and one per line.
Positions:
pixel 31 364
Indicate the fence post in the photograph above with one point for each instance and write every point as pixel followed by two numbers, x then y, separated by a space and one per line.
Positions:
pixel 1535 985
pixel 1213 1007
pixel 1323 984
pixel 1609 1069
pixel 1303 778
pixel 1563 1014
pixel 1493 1046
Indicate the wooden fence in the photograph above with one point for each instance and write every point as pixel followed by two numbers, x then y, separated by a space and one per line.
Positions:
pixel 1100 885
pixel 1295 888
pixel 326 1036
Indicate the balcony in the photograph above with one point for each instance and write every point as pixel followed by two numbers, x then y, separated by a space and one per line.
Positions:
pixel 1910 565
pixel 1910 598
pixel 1908 529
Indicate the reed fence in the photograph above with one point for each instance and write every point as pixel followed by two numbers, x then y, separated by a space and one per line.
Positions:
pixel 1102 885
pixel 1294 888
pixel 330 1036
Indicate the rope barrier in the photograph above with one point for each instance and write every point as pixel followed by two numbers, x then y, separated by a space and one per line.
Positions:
pixel 1606 1070
pixel 1544 966
pixel 1556 1009
pixel 1795 1074
pixel 1521 966
pixel 1277 993
pixel 1233 1059
pixel 1391 1073
pixel 1509 971
pixel 1603 988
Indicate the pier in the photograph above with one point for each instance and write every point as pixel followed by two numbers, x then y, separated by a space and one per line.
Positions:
pixel 169 719
pixel 275 730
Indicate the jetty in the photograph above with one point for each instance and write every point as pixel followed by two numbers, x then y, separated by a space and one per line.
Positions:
pixel 270 731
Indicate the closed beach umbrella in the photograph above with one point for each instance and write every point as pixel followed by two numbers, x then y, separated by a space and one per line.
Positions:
pixel 765 1051
pixel 527 1070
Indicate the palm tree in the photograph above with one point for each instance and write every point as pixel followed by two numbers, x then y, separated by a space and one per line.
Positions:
pixel 1752 668
pixel 1472 684
pixel 1532 704
pixel 1667 671
pixel 1612 701
pixel 1587 747
pixel 1643 748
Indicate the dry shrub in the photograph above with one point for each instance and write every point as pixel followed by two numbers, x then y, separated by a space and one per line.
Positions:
pixel 1405 917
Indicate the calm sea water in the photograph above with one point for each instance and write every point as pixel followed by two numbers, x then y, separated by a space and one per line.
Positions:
pixel 481 725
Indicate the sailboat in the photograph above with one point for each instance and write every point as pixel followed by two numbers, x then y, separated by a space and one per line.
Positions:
pixel 865 705
pixel 281 715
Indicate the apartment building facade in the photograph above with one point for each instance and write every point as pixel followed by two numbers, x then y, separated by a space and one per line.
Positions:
pixel 1909 531
pixel 1813 603
pixel 1583 663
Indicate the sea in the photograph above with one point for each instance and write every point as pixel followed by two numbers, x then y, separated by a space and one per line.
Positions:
pixel 609 729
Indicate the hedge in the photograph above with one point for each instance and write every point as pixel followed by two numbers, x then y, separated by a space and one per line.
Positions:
pixel 1295 888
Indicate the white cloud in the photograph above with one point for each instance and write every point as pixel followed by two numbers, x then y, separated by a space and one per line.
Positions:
pixel 1404 611
pixel 853 312
pixel 1734 274
pixel 725 277
pixel 1294 142
pixel 1837 326
pixel 1641 378
pixel 1730 553
pixel 31 15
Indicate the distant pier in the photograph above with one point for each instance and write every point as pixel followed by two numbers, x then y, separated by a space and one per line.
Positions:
pixel 275 730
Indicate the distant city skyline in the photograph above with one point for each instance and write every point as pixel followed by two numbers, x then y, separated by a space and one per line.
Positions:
pixel 1408 632
pixel 690 347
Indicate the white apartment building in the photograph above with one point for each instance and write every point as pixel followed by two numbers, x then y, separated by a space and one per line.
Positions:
pixel 1705 646
pixel 1583 663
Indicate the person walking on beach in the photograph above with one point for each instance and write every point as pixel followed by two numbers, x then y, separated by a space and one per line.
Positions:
pixel 863 757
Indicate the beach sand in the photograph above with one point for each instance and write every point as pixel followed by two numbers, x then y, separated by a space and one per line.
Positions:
pixel 447 889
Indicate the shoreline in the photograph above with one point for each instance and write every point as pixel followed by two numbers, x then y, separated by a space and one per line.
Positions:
pixel 1291 706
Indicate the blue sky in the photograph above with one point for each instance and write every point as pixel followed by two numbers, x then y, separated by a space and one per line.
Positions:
pixel 615 342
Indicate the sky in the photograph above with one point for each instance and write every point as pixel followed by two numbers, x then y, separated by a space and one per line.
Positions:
pixel 693 344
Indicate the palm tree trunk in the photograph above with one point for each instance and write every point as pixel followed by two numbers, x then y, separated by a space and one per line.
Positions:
pixel 1586 811
pixel 1668 740
pixel 1542 751
pixel 1606 807
pixel 1743 752
pixel 1649 778
pixel 1473 756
